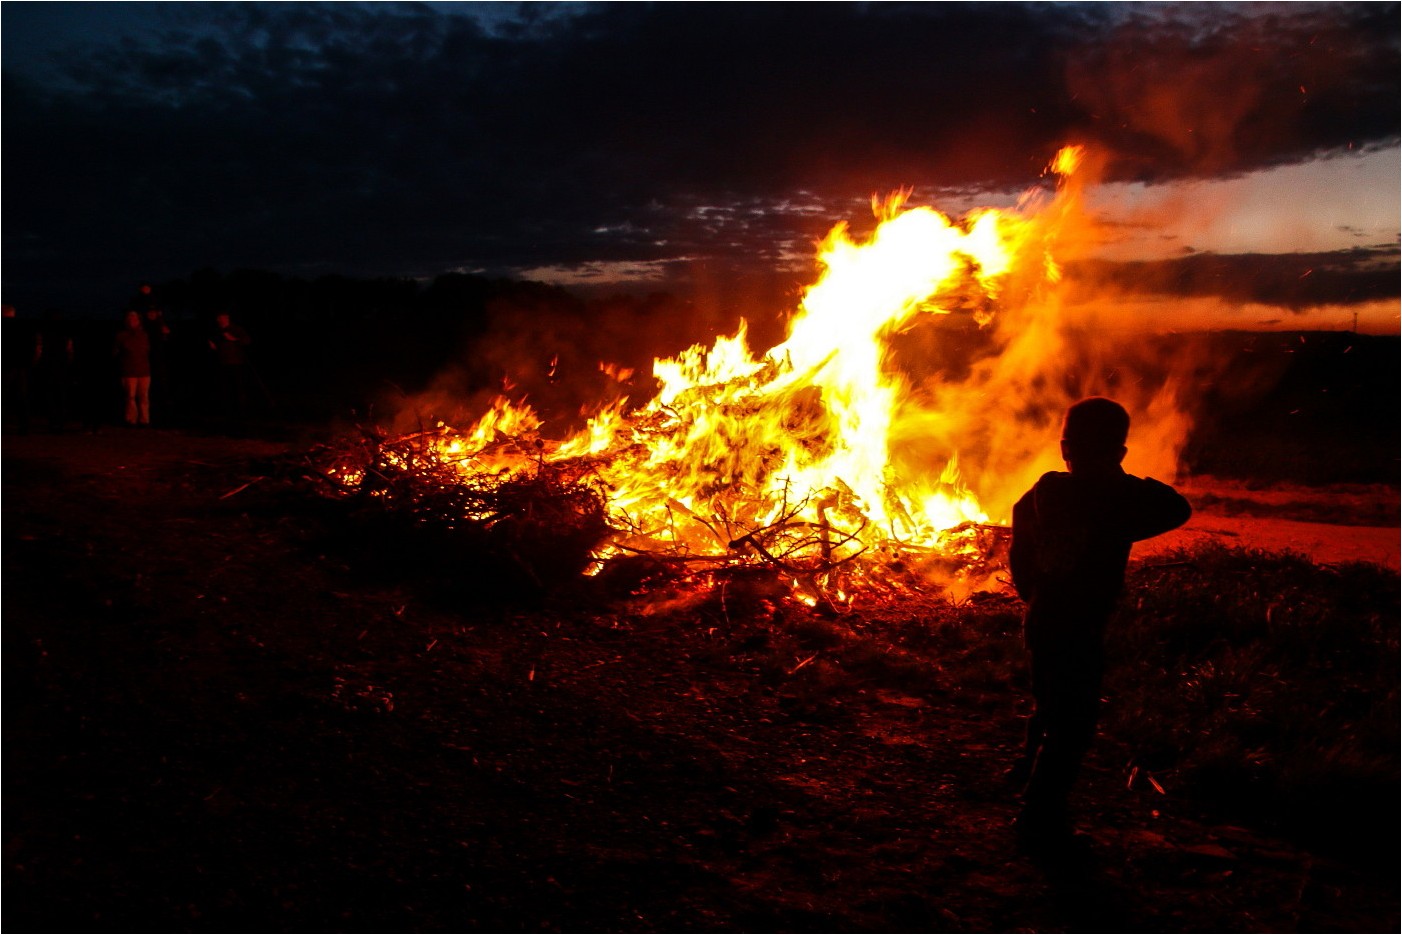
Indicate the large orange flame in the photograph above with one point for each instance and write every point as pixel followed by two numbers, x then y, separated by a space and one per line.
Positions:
pixel 819 450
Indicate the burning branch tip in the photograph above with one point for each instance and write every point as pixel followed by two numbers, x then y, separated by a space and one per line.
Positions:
pixel 241 488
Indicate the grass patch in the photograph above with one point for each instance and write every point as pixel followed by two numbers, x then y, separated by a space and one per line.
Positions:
pixel 1381 510
pixel 1265 687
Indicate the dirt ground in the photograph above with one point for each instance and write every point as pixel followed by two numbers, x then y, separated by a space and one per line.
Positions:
pixel 218 719
pixel 1342 523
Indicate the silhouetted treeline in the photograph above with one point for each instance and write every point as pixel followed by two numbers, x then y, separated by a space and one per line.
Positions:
pixel 1313 407
pixel 1296 281
pixel 328 342
pixel 339 346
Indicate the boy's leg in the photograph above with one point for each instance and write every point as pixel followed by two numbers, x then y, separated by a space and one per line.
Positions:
pixel 1070 728
pixel 1021 770
pixel 1067 686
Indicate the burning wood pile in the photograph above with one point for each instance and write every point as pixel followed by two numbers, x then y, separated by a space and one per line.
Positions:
pixel 541 519
pixel 553 518
pixel 797 462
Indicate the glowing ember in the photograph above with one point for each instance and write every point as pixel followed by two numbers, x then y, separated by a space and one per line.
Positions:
pixel 801 457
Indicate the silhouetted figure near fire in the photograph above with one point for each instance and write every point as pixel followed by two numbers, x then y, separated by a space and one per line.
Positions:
pixel 230 345
pixel 1071 540
pixel 146 304
pixel 158 335
pixel 132 349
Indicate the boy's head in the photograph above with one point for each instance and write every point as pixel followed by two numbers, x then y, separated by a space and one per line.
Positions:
pixel 1095 431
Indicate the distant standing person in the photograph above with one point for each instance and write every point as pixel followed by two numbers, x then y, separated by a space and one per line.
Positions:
pixel 230 345
pixel 1071 540
pixel 158 334
pixel 133 353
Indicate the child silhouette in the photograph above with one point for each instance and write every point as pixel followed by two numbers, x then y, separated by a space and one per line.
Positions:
pixel 1071 539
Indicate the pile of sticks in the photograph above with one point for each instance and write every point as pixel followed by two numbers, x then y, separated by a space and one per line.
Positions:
pixel 552 520
pixel 546 521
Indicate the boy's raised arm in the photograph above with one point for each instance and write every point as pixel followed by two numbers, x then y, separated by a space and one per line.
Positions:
pixel 1159 508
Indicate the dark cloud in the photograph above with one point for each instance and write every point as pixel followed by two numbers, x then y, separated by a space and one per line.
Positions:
pixel 399 139
pixel 1232 88
pixel 1296 281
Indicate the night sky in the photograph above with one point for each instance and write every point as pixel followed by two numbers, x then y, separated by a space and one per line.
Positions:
pixel 668 146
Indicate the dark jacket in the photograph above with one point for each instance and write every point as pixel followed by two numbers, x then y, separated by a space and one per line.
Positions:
pixel 1072 535
pixel 231 345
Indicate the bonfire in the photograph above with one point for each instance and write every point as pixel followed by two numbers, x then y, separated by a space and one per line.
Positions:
pixel 816 460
